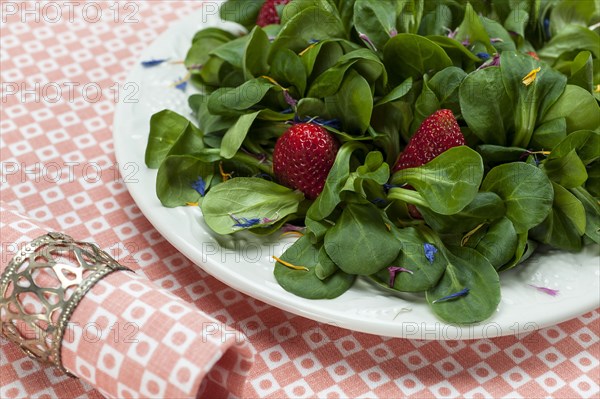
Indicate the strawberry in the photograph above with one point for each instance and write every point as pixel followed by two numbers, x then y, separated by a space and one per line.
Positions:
pixel 303 156
pixel 436 134
pixel 268 13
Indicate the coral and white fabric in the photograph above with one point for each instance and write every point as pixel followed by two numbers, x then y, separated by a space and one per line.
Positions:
pixel 129 338
pixel 58 165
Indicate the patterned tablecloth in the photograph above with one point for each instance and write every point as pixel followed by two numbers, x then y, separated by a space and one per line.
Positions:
pixel 63 69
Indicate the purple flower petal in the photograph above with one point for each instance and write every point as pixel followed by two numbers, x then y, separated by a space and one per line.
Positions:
pixel 451 33
pixel 545 290
pixel 494 61
pixel 367 40
pixel 289 99
pixel 290 227
pixel 393 270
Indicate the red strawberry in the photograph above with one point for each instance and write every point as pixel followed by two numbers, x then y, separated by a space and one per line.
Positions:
pixel 303 156
pixel 268 13
pixel 436 134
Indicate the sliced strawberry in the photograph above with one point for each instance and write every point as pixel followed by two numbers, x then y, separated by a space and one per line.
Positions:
pixel 303 156
pixel 268 13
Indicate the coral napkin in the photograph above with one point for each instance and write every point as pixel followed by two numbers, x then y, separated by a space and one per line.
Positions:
pixel 129 338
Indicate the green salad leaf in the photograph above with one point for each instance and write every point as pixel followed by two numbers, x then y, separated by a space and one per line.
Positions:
pixel 247 198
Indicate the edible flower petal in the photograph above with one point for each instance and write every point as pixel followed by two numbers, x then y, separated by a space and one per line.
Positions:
pixel 395 270
pixel 545 290
pixel 451 33
pixel 289 99
pixel 494 61
pixel 224 176
pixel 530 78
pixel 367 40
pixel 290 227
pixel 182 85
pixel 153 62
pixel 200 186
pixel 291 266
pixel 244 222
pixel 270 79
pixel 312 44
pixel 458 294
pixel 430 251
pixel 467 236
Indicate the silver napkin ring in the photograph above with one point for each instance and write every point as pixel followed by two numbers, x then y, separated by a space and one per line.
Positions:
pixel 41 287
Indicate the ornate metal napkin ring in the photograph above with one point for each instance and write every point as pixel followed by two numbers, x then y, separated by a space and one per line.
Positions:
pixel 57 272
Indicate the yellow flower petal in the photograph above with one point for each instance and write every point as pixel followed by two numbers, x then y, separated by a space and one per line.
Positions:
pixel 466 237
pixel 306 49
pixel 270 79
pixel 224 176
pixel 292 233
pixel 527 80
pixel 287 264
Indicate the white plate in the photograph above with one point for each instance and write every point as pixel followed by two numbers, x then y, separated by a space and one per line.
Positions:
pixel 245 263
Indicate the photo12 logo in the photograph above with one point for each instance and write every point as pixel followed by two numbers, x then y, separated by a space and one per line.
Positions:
pixel 60 11
pixel 54 92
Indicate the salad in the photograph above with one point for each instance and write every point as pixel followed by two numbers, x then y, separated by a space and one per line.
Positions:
pixel 425 146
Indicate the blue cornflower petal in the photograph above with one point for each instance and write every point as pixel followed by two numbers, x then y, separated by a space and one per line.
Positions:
pixel 378 201
pixel 430 251
pixel 547 27
pixel 200 186
pixel 245 222
pixel 458 294
pixel 181 85
pixel 152 63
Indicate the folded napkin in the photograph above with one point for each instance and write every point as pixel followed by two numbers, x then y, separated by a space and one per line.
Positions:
pixel 129 338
